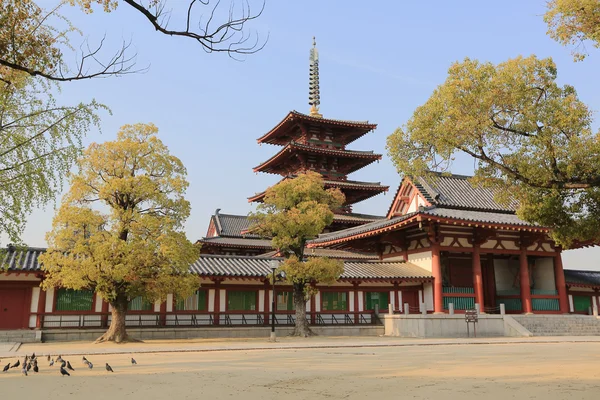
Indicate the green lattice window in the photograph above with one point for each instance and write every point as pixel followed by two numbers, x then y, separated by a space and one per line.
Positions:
pixel 334 301
pixel 285 301
pixel 140 304
pixel 74 300
pixel 380 298
pixel 241 300
pixel 582 303
pixel 196 302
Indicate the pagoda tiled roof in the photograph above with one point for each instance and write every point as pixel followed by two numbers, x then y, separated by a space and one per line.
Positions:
pixel 367 156
pixel 500 220
pixel 259 267
pixel 236 242
pixel 361 127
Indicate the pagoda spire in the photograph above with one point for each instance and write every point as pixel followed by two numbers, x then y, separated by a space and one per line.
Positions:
pixel 314 95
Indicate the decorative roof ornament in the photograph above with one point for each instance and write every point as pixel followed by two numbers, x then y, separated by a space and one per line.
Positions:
pixel 314 95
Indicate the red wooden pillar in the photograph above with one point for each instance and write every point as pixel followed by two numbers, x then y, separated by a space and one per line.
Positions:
pixel 41 308
pixel 436 271
pixel 396 297
pixel 525 284
pixel 163 313
pixel 266 303
pixel 355 284
pixel 478 277
pixel 561 285
pixel 217 302
pixel 313 310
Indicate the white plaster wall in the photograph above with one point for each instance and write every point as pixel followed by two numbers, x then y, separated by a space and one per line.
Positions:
pixel 414 204
pixel 270 300
pixel 35 298
pixel 422 260
pixel 361 306
pixel 222 300
pixel 169 303
pixel 49 300
pixel 261 301
pixel 571 307
pixel 392 299
pixel 427 295
pixel 543 274
pixel 318 302
pixel 211 300
pixel 351 301
pixel 308 306
pixel 157 306
pixel 401 305
pixel 504 271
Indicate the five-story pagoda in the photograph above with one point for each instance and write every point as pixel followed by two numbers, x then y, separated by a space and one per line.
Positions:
pixel 313 143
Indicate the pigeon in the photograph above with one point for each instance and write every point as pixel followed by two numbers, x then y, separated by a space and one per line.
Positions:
pixel 108 368
pixel 52 362
pixel 63 364
pixel 6 367
pixel 86 362
pixel 33 356
pixel 24 370
pixel 15 365
pixel 64 372
pixel 69 366
pixel 90 365
pixel 59 359
pixel 133 362
pixel 36 369
pixel 84 359
pixel 28 366
pixel 48 357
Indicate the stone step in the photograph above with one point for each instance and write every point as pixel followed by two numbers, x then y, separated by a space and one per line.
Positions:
pixel 561 325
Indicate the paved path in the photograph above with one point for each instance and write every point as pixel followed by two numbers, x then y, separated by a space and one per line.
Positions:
pixel 210 345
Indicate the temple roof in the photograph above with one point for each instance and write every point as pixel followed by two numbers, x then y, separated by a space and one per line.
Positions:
pixel 247 266
pixel 360 190
pixel 237 242
pixel 283 132
pixel 20 259
pixel 330 253
pixel 441 214
pixel 361 158
pixel 582 278
pixel 230 225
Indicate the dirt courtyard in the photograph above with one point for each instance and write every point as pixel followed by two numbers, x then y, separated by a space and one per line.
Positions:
pixel 546 371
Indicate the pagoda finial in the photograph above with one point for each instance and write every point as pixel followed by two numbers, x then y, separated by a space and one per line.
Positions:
pixel 314 95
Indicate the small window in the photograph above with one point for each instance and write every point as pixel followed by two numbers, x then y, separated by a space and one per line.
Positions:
pixel 241 300
pixel 379 298
pixel 334 301
pixel 285 301
pixel 140 304
pixel 196 302
pixel 74 300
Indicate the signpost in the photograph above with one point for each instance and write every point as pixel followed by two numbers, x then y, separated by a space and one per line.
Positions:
pixel 471 317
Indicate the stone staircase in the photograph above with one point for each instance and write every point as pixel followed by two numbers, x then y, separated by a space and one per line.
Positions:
pixel 21 336
pixel 560 325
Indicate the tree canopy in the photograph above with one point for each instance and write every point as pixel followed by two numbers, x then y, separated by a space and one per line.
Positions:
pixel 293 212
pixel 528 134
pixel 119 230
pixel 574 22
pixel 40 142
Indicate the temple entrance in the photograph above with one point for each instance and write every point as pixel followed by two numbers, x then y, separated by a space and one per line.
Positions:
pixel 412 298
pixel 12 308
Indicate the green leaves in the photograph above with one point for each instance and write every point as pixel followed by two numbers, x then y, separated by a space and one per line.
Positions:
pixel 529 136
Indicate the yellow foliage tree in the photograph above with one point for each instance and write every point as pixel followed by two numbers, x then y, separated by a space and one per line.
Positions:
pixel 119 228
pixel 293 212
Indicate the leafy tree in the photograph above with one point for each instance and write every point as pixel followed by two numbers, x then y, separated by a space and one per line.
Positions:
pixel 132 243
pixel 40 141
pixel 37 41
pixel 293 212
pixel 530 137
pixel 572 22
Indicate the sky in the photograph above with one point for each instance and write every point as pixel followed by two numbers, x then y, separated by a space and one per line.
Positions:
pixel 379 61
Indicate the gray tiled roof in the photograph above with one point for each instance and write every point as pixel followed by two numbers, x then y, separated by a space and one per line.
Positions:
pixel 331 253
pixel 356 217
pixel 229 225
pixel 21 259
pixel 246 266
pixel 439 212
pixel 457 191
pixel 579 277
pixel 236 242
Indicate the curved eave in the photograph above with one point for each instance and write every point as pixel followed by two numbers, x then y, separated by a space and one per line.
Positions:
pixel 367 156
pixel 426 217
pixel 271 136
pixel 245 246
pixel 370 191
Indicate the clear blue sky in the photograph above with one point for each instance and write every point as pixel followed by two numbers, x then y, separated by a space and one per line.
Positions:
pixel 378 61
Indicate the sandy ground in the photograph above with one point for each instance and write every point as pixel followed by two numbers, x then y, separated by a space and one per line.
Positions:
pixel 491 371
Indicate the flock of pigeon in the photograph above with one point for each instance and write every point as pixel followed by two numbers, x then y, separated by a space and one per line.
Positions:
pixel 31 362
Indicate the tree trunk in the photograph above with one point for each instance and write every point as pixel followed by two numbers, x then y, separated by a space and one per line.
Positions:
pixel 116 331
pixel 302 328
